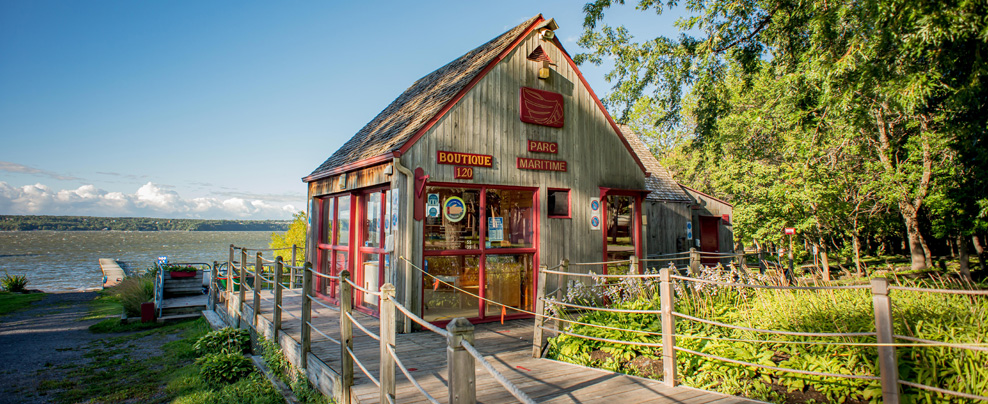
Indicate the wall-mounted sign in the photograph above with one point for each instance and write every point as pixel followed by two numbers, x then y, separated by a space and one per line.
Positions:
pixel 463 173
pixel 595 214
pixel 726 218
pixel 454 209
pixel 541 165
pixel 432 206
pixel 394 209
pixel 542 147
pixel 541 107
pixel 495 229
pixel 464 159
pixel 790 230
pixel 689 230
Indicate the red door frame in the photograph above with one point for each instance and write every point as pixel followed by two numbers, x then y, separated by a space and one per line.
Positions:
pixel 379 251
pixel 604 193
pixel 333 246
pixel 481 251
pixel 707 222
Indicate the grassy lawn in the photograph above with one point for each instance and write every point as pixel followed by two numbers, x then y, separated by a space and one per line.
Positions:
pixel 11 302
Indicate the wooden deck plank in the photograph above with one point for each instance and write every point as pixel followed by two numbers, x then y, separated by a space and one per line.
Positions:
pixel 506 346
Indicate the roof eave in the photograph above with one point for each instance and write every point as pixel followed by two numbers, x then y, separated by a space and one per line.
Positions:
pixel 350 166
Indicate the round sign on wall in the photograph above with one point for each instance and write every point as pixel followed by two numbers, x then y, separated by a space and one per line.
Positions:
pixel 594 205
pixel 454 209
pixel 595 221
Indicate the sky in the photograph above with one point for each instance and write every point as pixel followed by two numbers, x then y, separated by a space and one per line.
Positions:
pixel 217 109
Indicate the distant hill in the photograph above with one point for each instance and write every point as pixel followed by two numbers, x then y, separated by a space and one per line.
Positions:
pixel 31 222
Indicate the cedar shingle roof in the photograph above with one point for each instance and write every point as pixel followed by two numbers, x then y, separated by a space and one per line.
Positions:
pixel 408 113
pixel 660 182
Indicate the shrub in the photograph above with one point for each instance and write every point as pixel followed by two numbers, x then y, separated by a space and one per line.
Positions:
pixel 226 341
pixel 132 291
pixel 13 283
pixel 224 367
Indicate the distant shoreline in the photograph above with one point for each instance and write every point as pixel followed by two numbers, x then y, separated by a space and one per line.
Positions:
pixel 13 223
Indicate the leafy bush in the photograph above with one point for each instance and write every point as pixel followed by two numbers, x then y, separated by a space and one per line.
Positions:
pixel 13 283
pixel 224 367
pixel 223 341
pixel 283 369
pixel 132 292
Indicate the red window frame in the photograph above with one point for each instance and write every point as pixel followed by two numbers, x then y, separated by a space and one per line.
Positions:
pixel 379 251
pixel 482 251
pixel 332 247
pixel 636 231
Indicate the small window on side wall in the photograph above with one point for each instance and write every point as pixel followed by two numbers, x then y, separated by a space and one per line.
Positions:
pixel 559 203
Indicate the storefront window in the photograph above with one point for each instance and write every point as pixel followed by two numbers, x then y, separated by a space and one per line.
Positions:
pixel 370 277
pixel 441 301
pixel 452 219
pixel 372 221
pixel 510 218
pixel 343 221
pixel 509 282
pixel 326 235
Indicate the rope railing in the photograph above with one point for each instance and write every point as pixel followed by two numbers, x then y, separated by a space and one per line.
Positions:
pixel 514 390
pixel 408 375
pixel 316 329
pixel 943 391
pixel 748 285
pixel 361 327
pixel 594 275
pixel 367 373
pixel 317 301
pixel 781 369
pixel 983 347
pixel 580 264
pixel 324 276
pixel 420 320
pixel 759 330
pixel 372 293
pixel 945 291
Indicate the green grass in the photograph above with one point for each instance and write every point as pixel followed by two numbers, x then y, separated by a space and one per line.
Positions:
pixel 104 305
pixel 11 302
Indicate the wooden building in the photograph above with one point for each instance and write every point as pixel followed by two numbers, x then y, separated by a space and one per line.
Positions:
pixel 497 162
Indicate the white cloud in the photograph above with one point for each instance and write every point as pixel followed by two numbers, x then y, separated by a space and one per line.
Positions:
pixel 23 169
pixel 150 200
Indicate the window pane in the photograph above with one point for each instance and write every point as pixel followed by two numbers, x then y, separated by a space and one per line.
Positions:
pixel 372 220
pixel 328 287
pixel 512 211
pixel 448 227
pixel 368 279
pixel 326 237
pixel 558 202
pixel 343 220
pixel 442 302
pixel 509 282
pixel 620 228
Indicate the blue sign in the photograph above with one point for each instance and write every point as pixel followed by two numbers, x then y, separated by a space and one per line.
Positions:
pixel 595 221
pixel 454 209
pixel 594 205
pixel 162 260
pixel 495 229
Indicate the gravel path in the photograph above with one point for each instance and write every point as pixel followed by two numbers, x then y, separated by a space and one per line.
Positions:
pixel 41 339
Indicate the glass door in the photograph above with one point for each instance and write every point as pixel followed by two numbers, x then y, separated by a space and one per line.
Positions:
pixel 369 271
pixel 334 243
pixel 621 238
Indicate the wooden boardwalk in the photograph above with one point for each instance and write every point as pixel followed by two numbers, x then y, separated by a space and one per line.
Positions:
pixel 507 347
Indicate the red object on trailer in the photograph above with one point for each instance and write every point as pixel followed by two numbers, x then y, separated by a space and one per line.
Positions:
pixel 147 312
pixel 790 230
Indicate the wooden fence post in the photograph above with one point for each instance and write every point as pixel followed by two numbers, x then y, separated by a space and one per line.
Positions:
pixel 306 314
pixel 387 330
pixel 229 275
pixel 291 278
pixel 539 313
pixel 258 284
pixel 346 336
pixel 668 301
pixel 276 316
pixel 460 364
pixel 633 265
pixel 211 297
pixel 887 364
pixel 560 282
pixel 694 261
pixel 243 292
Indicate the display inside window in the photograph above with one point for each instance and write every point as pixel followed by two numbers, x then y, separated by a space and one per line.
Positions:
pixel 452 219
pixel 558 201
pixel 372 221
pixel 620 230
pixel 328 209
pixel 440 299
pixel 343 221
pixel 510 216
pixel 509 282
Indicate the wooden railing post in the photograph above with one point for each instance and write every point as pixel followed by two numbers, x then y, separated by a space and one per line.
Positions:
pixel 694 261
pixel 460 364
pixel 229 275
pixel 255 305
pixel 632 265
pixel 346 336
pixel 306 315
pixel 276 316
pixel 887 364
pixel 668 301
pixel 560 282
pixel 213 284
pixel 387 330
pixel 539 313
pixel 242 292
pixel 291 278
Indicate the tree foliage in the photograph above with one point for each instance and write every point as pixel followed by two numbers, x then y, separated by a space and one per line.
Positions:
pixel 831 117
pixel 295 235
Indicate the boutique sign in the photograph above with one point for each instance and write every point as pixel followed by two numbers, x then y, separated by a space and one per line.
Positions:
pixel 464 159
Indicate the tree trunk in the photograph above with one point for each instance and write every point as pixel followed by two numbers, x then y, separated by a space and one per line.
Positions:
pixel 916 252
pixel 963 258
pixel 980 249
pixel 927 254
pixel 824 261
pixel 856 242
pixel 952 246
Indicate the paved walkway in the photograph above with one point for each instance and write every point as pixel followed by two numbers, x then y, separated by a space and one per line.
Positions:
pixel 507 347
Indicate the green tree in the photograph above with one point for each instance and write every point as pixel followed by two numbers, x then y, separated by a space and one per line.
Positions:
pixel 295 235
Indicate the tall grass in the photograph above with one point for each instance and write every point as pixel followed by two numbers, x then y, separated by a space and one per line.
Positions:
pixel 133 291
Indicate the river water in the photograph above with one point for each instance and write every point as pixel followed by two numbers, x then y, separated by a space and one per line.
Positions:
pixel 69 260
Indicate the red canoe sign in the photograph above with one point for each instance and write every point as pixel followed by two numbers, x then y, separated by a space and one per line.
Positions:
pixel 541 107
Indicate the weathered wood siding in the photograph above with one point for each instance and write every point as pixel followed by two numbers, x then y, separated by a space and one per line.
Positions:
pixel 666 228
pixel 486 121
